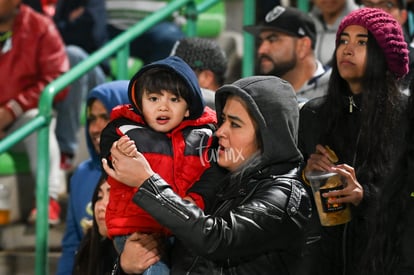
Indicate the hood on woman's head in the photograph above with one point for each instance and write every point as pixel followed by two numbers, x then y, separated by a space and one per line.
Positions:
pixel 272 103
pixel 176 64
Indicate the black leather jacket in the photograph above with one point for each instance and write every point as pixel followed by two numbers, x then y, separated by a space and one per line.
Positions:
pixel 254 228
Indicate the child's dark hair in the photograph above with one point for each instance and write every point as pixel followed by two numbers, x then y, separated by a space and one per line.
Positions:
pixel 155 80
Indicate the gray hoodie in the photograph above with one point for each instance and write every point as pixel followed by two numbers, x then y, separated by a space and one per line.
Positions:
pixel 273 105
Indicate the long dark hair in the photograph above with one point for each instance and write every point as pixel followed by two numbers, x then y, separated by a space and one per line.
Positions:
pixel 383 255
pixel 379 114
pixel 96 253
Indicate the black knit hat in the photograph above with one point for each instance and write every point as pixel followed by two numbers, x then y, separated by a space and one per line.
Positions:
pixel 201 54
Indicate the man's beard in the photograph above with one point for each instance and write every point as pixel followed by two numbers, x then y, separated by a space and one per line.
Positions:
pixel 279 69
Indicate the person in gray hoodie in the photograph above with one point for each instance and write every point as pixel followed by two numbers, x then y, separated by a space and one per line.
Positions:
pixel 255 221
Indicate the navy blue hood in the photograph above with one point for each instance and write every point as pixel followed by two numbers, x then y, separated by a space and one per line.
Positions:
pixel 176 64
pixel 110 94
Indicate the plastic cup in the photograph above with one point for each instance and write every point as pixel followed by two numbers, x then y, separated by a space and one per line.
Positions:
pixel 330 214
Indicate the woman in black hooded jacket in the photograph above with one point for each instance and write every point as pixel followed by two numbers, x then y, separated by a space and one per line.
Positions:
pixel 254 223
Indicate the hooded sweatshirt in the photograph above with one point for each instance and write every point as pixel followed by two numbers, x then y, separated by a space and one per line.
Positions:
pixel 85 178
pixel 270 113
pixel 180 156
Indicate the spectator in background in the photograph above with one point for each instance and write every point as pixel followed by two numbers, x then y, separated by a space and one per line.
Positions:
pixel 327 15
pixel 83 23
pixel 154 44
pixel 286 49
pixel 32 55
pixel 100 102
pixel 207 60
pixel 69 110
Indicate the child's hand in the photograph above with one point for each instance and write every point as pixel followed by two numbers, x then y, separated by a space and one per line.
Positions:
pixel 127 146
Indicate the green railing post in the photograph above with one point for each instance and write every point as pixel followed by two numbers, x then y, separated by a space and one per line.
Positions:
pixel 42 178
pixel 249 53
pixel 303 5
pixel 192 13
pixel 42 201
pixel 191 16
pixel 122 63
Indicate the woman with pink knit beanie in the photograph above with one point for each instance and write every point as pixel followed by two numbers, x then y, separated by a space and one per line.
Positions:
pixel 363 120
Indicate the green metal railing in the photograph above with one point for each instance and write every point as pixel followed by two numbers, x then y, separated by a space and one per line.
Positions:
pixel 120 47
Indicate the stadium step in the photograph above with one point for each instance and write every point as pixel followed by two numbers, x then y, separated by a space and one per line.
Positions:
pixel 18 241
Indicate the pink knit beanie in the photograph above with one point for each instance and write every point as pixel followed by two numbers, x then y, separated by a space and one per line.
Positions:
pixel 387 32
